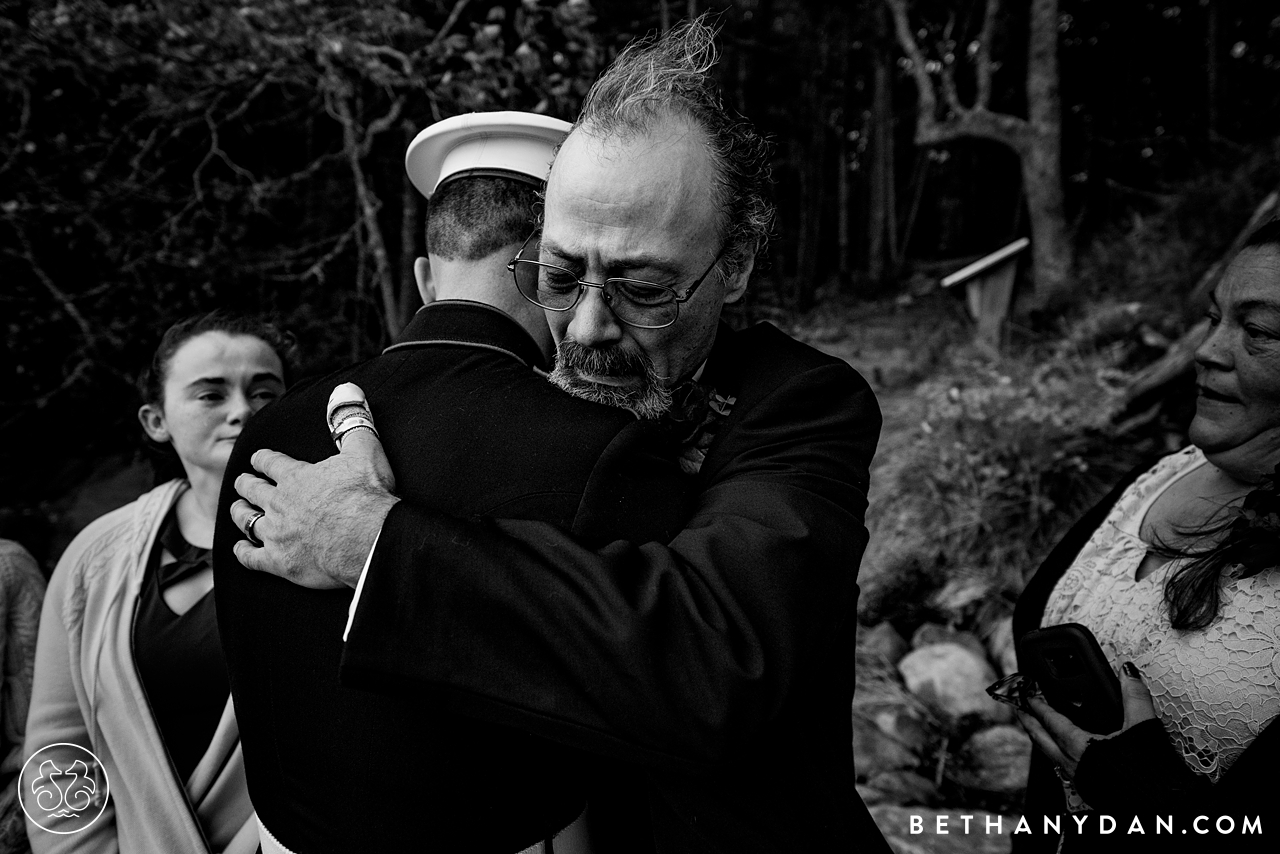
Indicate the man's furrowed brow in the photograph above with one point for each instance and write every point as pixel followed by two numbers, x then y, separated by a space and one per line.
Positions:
pixel 653 263
pixel 550 247
pixel 1259 304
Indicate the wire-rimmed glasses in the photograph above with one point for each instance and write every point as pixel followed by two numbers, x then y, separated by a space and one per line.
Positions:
pixel 637 303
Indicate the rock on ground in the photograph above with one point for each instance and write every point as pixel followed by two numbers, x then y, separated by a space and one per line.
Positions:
pixel 1000 646
pixel 874 752
pixel 899 787
pixel 996 760
pixel 931 633
pixel 884 641
pixel 952 680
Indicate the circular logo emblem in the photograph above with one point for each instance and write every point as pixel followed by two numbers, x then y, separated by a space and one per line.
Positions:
pixel 63 788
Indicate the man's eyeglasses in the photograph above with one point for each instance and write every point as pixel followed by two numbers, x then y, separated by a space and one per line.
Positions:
pixel 643 305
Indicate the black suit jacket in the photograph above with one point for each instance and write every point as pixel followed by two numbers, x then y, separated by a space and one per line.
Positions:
pixel 468 426
pixel 721 662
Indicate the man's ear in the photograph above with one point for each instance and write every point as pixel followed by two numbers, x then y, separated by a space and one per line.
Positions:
pixel 422 275
pixel 152 419
pixel 735 287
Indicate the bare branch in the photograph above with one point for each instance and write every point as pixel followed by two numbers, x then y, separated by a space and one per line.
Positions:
pixel 317 269
pixel 982 124
pixel 406 66
pixel 926 96
pixel 21 130
pixel 982 60
pixel 454 14
pixel 949 90
pixel 59 295
pixel 368 203
pixel 248 99
pixel 964 122
pixel 380 125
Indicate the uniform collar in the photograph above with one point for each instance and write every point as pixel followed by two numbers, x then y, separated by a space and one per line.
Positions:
pixel 463 323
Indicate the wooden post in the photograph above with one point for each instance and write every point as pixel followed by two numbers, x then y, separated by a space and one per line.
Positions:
pixel 989 289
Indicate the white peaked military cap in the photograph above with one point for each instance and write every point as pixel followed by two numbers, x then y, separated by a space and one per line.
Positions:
pixel 507 144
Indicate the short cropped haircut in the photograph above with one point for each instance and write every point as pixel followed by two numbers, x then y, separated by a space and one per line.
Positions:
pixel 659 76
pixel 470 218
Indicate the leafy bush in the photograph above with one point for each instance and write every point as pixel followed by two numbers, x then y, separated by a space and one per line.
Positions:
pixel 1007 457
pixel 1157 251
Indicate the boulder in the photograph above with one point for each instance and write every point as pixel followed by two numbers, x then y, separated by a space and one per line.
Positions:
pixel 962 596
pixel 899 787
pixel 875 752
pixel 882 640
pixel 1000 646
pixel 895 823
pixel 931 633
pixel 995 760
pixel 904 725
pixel 951 680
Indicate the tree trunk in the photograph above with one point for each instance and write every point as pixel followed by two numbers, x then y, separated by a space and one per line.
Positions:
pixel 879 224
pixel 811 199
pixel 1211 66
pixel 1051 245
pixel 1036 139
pixel 842 206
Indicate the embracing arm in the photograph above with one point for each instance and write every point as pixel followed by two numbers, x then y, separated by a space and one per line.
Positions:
pixel 677 648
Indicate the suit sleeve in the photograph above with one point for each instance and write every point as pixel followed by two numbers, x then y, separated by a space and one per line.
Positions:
pixel 676 648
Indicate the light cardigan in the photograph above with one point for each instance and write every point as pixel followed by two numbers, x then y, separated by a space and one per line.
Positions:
pixel 87 691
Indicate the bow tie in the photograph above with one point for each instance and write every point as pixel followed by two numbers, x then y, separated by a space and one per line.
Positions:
pixel 696 414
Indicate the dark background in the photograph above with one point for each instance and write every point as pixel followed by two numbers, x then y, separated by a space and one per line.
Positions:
pixel 163 158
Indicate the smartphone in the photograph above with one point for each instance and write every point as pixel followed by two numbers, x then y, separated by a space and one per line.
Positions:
pixel 1070 668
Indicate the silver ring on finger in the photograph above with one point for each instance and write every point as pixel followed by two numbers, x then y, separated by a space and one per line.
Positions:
pixel 248 529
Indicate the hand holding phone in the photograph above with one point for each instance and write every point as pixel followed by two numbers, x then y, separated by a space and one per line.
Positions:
pixel 1069 666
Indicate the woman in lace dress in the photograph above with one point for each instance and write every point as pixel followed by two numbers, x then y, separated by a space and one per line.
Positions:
pixel 128 659
pixel 1177 580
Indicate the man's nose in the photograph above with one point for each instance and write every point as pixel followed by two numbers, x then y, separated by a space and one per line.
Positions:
pixel 593 323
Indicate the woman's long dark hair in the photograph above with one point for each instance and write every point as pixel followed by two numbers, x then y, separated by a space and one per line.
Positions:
pixel 1193 592
pixel 164 459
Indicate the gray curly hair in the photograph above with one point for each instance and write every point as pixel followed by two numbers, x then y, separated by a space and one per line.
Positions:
pixel 657 76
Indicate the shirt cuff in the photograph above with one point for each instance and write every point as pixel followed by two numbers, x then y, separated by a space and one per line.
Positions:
pixel 355 600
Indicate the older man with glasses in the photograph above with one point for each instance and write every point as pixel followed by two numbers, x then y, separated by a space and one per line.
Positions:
pixel 711 674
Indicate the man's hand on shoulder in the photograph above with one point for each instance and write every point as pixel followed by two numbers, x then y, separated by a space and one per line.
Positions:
pixel 319 520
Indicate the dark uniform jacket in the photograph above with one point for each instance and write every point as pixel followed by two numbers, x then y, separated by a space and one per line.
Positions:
pixel 468 427
pixel 718 668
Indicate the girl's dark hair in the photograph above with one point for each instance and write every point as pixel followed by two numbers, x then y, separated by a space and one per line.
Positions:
pixel 164 458
pixel 1193 592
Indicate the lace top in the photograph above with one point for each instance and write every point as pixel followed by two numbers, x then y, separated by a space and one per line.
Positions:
pixel 1214 689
